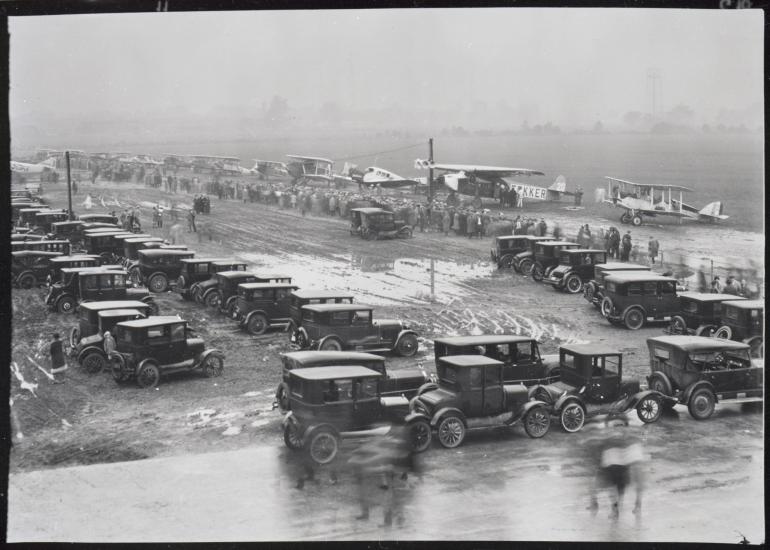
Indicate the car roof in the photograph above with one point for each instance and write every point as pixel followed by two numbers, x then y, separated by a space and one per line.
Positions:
pixel 228 262
pixel 235 274
pixel 332 372
pixel 698 343
pixel 590 349
pixel 119 312
pixel 319 293
pixel 271 275
pixel 252 286
pixel 320 308
pixel 153 321
pixel 50 212
pixel 469 361
pixel 482 339
pixel 64 223
pixel 144 240
pixel 24 253
pixel 113 304
pixel 74 257
pixel 709 297
pixel 745 304
pixel 637 277
pixel 101 269
pixel 200 260
pixel 368 210
pixel 583 250
pixel 622 266
pixel 310 356
pixel 151 252
pixel 558 243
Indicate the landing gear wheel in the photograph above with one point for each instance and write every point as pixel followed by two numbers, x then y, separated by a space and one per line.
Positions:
pixel 257 324
pixel 421 435
pixel 213 365
pixel 702 404
pixel 633 319
pixel 323 446
pixel 159 283
pixel 332 344
pixel 648 409
pixel 573 284
pixel 148 376
pixel 625 217
pixel 94 362
pixel 407 345
pixel 636 221
pixel 572 417
pixel 724 332
pixel 291 437
pixel 677 325
pixel 451 431
pixel 537 421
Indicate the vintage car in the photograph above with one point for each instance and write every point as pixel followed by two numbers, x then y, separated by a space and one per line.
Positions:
pixel 592 384
pixel 56 264
pixel 103 243
pixel 45 219
pixel 700 372
pixel 224 296
pixel 700 313
pixel 547 257
pixel 98 218
pixel 470 394
pixel 332 403
pixel 88 316
pixel 376 223
pixel 193 271
pixel 17 205
pixel 158 267
pixel 66 230
pixel 404 382
pixel 24 237
pixel 147 349
pixel 506 247
pixel 132 245
pixel 742 320
pixel 635 297
pixel 93 284
pixel 89 351
pixel 522 362
pixel 593 290
pixel 522 262
pixel 576 267
pixel 302 297
pixel 337 327
pixel 259 306
pixel 30 268
pixel 63 247
pixel 26 216
pixel 207 291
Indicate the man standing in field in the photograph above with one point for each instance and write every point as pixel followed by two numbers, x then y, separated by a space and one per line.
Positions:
pixel 652 249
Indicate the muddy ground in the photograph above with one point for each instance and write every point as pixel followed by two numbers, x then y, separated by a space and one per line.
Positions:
pixel 90 419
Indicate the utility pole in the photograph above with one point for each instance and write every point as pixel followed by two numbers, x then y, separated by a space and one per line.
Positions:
pixel 69 185
pixel 430 170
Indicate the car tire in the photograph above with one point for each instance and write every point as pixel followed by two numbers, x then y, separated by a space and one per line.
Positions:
pixel 118 369
pixel 231 304
pixel 213 299
pixel 195 293
pixel 291 437
pixel 27 281
pixel 282 398
pixel 677 325
pixel 302 339
pixel 181 284
pixel 572 417
pixel 94 362
pixel 724 332
pixel 158 283
pixel 323 445
pixel 420 435
pixel 135 275
pixel 74 337
pixel 661 384
pixel 451 431
pixel 505 262
pixel 404 233
pixel 407 345
pixel 701 404
pixel 66 304
pixel 573 284
pixel 633 318
pixel 257 324
pixel 148 376
pixel 213 365
pixel 537 272
pixel 331 344
pixel 607 306
pixel 154 309
pixel 648 409
pixel 706 331
pixel 537 421
pixel 525 266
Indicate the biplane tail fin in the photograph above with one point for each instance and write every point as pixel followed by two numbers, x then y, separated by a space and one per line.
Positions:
pixel 559 185
pixel 713 210
pixel 420 164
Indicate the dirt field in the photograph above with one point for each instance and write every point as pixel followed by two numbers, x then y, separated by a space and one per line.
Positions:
pixel 90 419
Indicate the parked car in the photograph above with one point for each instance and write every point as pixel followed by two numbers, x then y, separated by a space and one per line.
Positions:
pixel 66 230
pixel 207 291
pixel 158 267
pixel 592 384
pixel 522 362
pixel 336 327
pixel 506 247
pixel 63 247
pixel 593 290
pixel 56 264
pixel 98 218
pixel 700 313
pixel 45 218
pixel 18 205
pixel 30 268
pixel 131 247
pixel 376 223
pixel 547 257
pixel 24 237
pixel 471 394
pixel 26 216
pixel 404 382
pixel 93 284
pixel 743 321
pixel 225 295
pixel 634 298
pixel 700 372
pixel 302 297
pixel 259 306
pixel 147 349
pixel 193 270
pixel 575 268
pixel 88 317
pixel 103 243
pixel 90 351
pixel 331 403
pixel 522 262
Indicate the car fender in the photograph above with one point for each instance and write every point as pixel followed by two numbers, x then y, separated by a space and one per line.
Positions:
pixel 401 335
pixel 252 313
pixel 20 275
pixel 147 361
pixel 442 412
pixel 159 273
pixel 695 386
pixel 412 416
pixel 644 311
pixel 90 349
pixel 289 418
pixel 526 407
pixel 207 352
pixel 662 375
pixel 229 301
pixel 291 326
pixel 638 396
pixel 565 400
pixel 282 386
pixel 310 430
pixel 302 331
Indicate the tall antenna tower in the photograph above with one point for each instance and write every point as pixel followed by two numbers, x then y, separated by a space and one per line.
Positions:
pixel 653 81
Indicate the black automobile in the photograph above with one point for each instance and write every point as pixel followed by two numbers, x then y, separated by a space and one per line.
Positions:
pixel 93 284
pixel 193 271
pixel 576 267
pixel 259 306
pixel 30 268
pixel 700 313
pixel 506 247
pixel 743 321
pixel 593 290
pixel 522 262
pixel 224 296
pixel 307 296
pixel 158 267
pixel 547 257
pixel 89 351
pixel 376 223
pixel 634 298
pixel 103 243
pixel 56 264
pixel 63 247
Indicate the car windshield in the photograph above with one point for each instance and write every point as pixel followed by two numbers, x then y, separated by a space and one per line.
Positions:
pixel 720 359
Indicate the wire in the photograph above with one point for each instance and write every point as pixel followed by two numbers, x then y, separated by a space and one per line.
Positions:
pixel 377 153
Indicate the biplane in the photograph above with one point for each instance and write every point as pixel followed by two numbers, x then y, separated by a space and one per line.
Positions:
pixel 306 169
pixel 639 200
pixel 385 178
pixel 487 181
pixel 268 168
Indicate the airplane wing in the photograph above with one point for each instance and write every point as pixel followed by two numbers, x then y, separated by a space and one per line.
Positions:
pixel 479 170
pixel 657 186
pixel 316 159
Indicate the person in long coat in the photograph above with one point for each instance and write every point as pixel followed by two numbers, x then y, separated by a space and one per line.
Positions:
pixel 446 222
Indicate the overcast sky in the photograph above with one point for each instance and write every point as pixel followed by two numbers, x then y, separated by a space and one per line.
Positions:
pixel 574 65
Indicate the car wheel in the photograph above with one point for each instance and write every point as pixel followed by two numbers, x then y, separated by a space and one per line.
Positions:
pixel 588 293
pixel 505 262
pixel 213 365
pixel 257 324
pixel 302 341
pixel 702 403
pixel 451 431
pixel 213 299
pixel 407 345
pixel 118 368
pixel 148 376
pixel 27 281
pixel 661 385
pixel 572 417
pixel 607 306
pixel 331 344
pixel 135 275
pixel 291 437
pixel 573 284
pixel 648 409
pixel 537 421
pixel 677 325
pixel 94 362
pixel 705 330
pixel 420 435
pixel 537 271
pixel 724 332
pixel 323 446
pixel 74 337
pixel 159 283
pixel 66 304
pixel 195 293
pixel 181 283
pixel 633 318
pixel 525 266
pixel 231 304
pixel 282 398
pixel 404 233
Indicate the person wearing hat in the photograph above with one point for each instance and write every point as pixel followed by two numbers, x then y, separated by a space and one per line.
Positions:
pixel 626 247
pixel 716 286
pixel 732 286
pixel 652 249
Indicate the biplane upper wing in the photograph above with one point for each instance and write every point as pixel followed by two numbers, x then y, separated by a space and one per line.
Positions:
pixel 479 170
pixel 657 186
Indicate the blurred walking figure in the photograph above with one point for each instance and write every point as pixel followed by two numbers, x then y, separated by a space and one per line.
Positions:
pixel 58 362
pixel 652 249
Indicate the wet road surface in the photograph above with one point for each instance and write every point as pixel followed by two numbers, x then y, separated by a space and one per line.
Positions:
pixel 704 483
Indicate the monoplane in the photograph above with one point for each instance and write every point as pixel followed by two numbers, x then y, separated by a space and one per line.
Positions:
pixel 39 168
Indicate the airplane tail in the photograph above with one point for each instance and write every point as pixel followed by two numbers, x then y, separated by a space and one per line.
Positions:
pixel 50 162
pixel 600 194
pixel 713 210
pixel 420 164
pixel 559 185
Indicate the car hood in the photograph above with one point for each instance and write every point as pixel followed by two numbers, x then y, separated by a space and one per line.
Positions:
pixel 437 397
pixel 389 323
pixel 560 270
pixel 90 340
pixel 402 374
